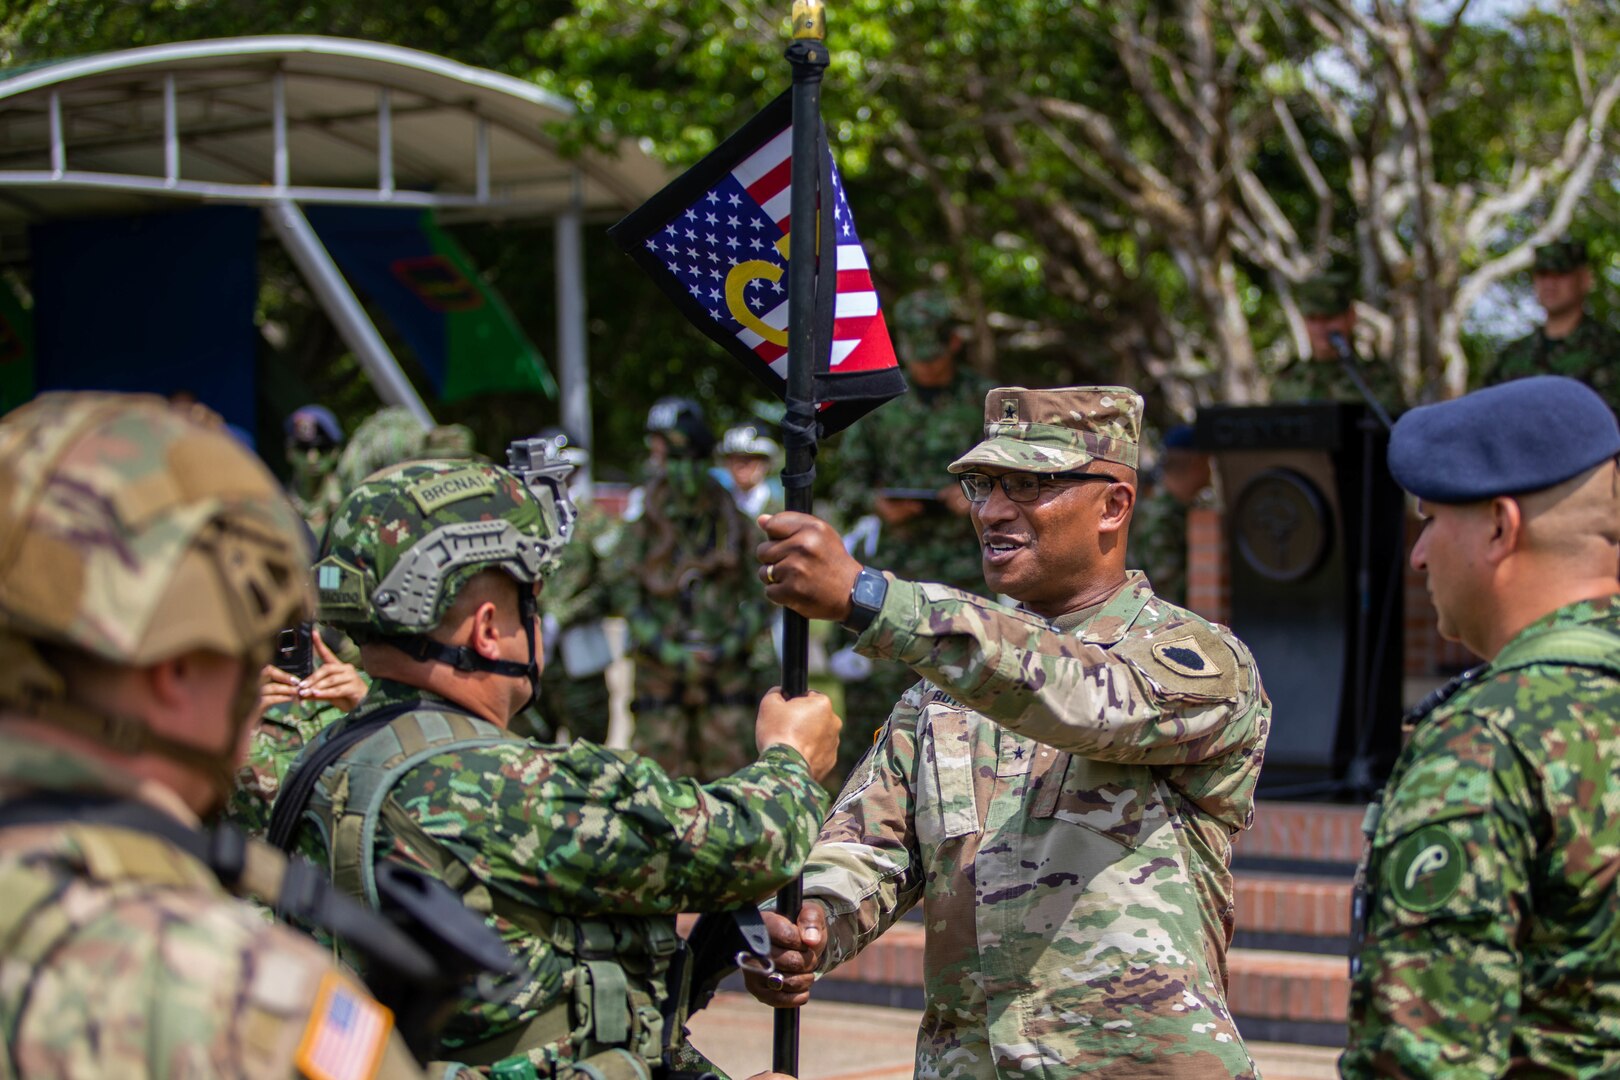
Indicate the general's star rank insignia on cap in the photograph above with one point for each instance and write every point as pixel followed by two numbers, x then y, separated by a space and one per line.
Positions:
pixel 346 1034
pixel 1184 656
pixel 1009 409
pixel 1426 869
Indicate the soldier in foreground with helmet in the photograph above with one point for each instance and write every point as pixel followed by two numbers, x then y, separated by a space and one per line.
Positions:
pixel 1572 341
pixel 578 856
pixel 147 563
pixel 684 580
pixel 891 466
pixel 1061 789
pixel 1492 934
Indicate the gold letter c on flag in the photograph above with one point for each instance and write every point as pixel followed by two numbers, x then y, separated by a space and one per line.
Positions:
pixel 736 303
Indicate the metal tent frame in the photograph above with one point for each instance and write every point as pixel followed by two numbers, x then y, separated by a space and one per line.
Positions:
pixel 283 121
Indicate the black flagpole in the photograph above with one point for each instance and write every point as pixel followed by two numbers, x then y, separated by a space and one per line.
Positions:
pixel 808 57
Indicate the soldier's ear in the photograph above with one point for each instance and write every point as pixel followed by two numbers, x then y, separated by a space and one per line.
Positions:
pixel 1506 526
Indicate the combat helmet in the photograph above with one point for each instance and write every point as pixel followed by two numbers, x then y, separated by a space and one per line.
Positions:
pixel 402 544
pixel 680 421
pixel 133 533
pixel 746 439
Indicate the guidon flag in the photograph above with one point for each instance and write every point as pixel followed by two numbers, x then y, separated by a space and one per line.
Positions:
pixel 717 240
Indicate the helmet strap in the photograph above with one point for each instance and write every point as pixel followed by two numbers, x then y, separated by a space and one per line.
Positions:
pixel 465 658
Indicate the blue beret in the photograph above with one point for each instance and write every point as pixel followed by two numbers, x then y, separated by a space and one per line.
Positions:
pixel 1179 437
pixel 1508 439
pixel 321 417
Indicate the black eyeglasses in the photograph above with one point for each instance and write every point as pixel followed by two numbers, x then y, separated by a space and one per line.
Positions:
pixel 1020 487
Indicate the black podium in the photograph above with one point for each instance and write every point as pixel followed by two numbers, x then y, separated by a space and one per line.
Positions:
pixel 1315 537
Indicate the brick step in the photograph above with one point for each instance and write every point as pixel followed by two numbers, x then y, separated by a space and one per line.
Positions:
pixel 1313 837
pixel 1293 912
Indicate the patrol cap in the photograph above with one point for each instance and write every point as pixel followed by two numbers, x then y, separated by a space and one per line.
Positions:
pixel 1560 257
pixel 1509 439
pixel 1057 430
pixel 1324 295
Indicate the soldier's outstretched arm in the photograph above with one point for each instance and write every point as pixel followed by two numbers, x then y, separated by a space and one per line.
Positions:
pixel 1440 985
pixel 592 829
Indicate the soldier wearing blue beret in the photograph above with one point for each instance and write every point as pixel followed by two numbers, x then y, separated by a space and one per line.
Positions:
pixel 1491 940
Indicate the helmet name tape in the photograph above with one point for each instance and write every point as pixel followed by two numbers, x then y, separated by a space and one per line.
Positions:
pixel 407 595
pixel 433 493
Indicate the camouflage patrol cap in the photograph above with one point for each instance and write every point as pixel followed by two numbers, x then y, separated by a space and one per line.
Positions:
pixel 920 321
pixel 1324 295
pixel 1560 257
pixel 401 545
pixel 135 533
pixel 1057 430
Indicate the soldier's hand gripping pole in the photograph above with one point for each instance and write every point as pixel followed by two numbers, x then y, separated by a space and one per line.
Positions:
pixel 808 57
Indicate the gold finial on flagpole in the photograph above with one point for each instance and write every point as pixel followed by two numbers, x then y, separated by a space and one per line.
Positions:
pixel 809 20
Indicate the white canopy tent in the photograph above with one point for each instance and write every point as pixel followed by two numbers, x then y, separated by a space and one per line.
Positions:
pixel 283 121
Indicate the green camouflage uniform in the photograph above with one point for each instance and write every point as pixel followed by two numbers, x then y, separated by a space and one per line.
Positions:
pixel 684 579
pixel 576 595
pixel 1061 797
pixel 313 487
pixel 907 444
pixel 1591 353
pixel 123 956
pixel 578 856
pixel 544 838
pixel 1493 942
pixel 283 732
pixel 1312 379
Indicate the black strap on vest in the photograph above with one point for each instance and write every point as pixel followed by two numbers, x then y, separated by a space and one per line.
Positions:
pixel 299 786
pixel 418 955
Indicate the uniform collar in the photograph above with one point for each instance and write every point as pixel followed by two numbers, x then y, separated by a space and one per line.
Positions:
pixel 1105 623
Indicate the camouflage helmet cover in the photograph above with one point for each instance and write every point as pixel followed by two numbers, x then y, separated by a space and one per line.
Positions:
pixel 1560 257
pixel 135 533
pixel 402 544
pixel 680 421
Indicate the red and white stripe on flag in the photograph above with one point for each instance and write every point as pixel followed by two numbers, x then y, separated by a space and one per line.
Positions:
pixel 860 334
pixel 346 1034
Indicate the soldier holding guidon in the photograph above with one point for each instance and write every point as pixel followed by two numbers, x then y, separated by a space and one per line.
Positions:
pixel 1061 789
pixel 1492 935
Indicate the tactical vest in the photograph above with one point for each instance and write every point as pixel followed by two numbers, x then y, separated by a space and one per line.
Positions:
pixel 605 1017
pixel 1571 646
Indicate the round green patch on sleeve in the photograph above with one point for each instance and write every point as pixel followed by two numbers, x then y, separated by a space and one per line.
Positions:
pixel 1426 869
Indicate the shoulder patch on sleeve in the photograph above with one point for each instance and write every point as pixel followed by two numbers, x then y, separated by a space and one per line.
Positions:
pixel 1185 659
pixel 1185 656
pixel 346 1034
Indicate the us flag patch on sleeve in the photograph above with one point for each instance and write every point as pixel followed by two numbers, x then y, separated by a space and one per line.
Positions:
pixel 346 1035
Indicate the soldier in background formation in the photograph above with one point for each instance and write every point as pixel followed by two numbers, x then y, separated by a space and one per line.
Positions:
pixel 314 443
pixel 892 466
pixel 579 857
pixel 1158 538
pixel 1492 942
pixel 1061 790
pixel 1571 342
pixel 1328 303
pixel 573 686
pixel 684 579
pixel 149 561
pixel 749 459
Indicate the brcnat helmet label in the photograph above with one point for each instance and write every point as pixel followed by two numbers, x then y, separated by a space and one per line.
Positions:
pixel 433 493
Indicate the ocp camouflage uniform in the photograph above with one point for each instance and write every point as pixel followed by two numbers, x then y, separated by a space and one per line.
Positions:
pixel 684 578
pixel 1061 797
pixel 1309 378
pixel 1493 943
pixel 577 595
pixel 123 955
pixel 907 444
pixel 1590 353
pixel 567 849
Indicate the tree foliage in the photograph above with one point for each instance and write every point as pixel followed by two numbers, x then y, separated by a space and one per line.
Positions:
pixel 1120 190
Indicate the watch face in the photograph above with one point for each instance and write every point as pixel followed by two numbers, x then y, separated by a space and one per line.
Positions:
pixel 868 593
